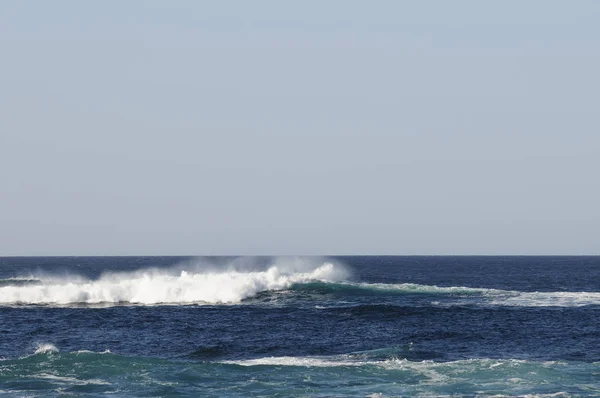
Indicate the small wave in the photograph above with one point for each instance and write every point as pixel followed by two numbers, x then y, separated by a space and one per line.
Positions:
pixel 107 351
pixel 71 381
pixel 391 363
pixel 45 348
pixel 296 361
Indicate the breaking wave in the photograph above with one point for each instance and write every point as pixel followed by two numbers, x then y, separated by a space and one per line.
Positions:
pixel 164 287
pixel 44 348
pixel 194 284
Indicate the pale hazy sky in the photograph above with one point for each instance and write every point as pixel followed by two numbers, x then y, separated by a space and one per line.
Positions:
pixel 307 127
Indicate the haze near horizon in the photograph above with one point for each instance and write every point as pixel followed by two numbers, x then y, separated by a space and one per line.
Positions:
pixel 342 127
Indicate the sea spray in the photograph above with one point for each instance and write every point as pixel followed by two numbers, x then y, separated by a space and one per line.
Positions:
pixel 155 287
pixel 45 348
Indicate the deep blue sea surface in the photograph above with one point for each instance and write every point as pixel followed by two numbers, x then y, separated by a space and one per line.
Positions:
pixel 300 326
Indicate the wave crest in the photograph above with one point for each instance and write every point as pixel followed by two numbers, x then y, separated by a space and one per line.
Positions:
pixel 162 287
pixel 45 348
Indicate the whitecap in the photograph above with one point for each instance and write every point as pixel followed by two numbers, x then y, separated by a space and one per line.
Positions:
pixel 163 287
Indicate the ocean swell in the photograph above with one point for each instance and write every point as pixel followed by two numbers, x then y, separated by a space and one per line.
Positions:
pixel 231 286
pixel 161 287
pixel 463 295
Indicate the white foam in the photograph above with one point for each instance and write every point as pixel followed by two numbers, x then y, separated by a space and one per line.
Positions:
pixel 107 351
pixel 154 287
pixel 548 299
pixel 192 285
pixel 70 380
pixel 332 361
pixel 43 348
pixel 497 297
pixel 391 363
pixel 425 289
pixel 324 362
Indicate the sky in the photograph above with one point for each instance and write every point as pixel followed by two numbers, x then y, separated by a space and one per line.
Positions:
pixel 308 127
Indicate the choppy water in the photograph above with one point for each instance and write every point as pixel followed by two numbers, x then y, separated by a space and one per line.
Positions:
pixel 339 326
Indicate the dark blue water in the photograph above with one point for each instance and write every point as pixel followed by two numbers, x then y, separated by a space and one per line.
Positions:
pixel 339 326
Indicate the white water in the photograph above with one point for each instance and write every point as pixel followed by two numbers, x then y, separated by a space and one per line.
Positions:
pixel 480 364
pixel 494 297
pixel 480 377
pixel 44 348
pixel 425 289
pixel 548 299
pixel 234 285
pixel 154 287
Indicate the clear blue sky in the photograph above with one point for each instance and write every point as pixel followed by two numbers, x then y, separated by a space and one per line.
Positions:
pixel 313 127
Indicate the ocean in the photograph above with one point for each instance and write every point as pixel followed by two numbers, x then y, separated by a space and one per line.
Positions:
pixel 366 326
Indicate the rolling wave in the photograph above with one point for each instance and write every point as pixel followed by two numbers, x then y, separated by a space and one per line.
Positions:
pixel 162 287
pixel 150 287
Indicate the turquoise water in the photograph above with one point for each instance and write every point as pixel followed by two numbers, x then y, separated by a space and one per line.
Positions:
pixel 56 373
